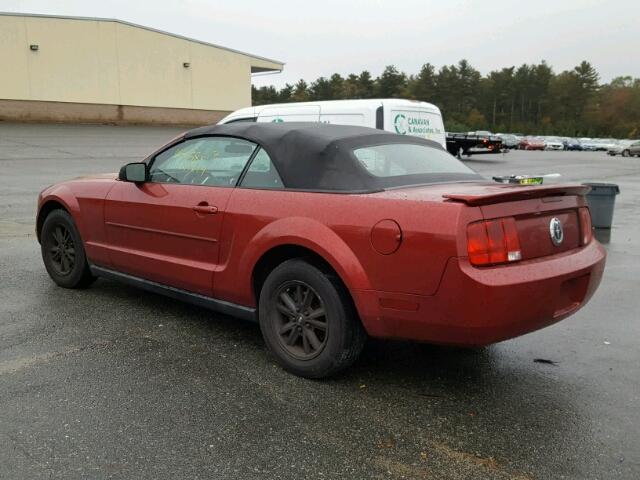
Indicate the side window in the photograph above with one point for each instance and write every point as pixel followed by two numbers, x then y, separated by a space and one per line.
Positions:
pixel 213 161
pixel 262 173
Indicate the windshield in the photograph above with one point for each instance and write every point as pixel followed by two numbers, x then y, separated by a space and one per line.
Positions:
pixel 407 164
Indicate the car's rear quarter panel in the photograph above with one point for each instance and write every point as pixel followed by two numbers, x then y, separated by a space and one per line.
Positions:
pixel 338 227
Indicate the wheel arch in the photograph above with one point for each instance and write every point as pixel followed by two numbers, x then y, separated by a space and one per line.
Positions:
pixel 45 209
pixel 284 252
pixel 280 254
pixel 301 238
pixel 57 197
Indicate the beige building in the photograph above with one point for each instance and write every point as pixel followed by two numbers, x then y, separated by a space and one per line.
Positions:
pixel 103 70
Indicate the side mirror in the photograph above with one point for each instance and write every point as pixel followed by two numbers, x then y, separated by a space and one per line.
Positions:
pixel 134 172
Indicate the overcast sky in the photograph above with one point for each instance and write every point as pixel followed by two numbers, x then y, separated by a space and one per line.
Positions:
pixel 317 38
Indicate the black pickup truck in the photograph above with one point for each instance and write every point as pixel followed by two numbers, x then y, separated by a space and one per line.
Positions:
pixel 468 144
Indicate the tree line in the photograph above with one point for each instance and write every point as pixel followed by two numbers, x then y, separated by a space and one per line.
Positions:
pixel 530 99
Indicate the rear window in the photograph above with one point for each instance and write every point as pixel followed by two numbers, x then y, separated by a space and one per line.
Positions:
pixel 402 160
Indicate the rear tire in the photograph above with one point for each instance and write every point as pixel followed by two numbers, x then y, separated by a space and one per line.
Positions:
pixel 308 320
pixel 625 153
pixel 63 252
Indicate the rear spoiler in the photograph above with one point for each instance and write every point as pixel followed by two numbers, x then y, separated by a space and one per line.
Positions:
pixel 509 193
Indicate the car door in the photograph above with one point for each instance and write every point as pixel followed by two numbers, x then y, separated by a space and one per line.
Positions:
pixel 635 148
pixel 167 229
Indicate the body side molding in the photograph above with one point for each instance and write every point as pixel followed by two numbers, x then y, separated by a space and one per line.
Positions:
pixel 227 308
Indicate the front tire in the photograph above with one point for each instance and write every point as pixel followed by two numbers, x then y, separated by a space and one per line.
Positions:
pixel 308 320
pixel 63 252
pixel 625 153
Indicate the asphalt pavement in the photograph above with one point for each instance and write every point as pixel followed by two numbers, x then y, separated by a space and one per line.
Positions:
pixel 112 382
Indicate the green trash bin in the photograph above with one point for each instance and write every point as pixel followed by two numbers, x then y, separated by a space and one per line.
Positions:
pixel 602 200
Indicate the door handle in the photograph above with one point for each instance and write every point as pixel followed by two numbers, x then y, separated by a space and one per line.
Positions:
pixel 208 209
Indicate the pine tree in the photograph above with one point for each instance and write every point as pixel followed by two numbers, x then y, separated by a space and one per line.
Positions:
pixel 423 86
pixel 391 83
pixel 366 85
pixel 300 92
pixel 530 99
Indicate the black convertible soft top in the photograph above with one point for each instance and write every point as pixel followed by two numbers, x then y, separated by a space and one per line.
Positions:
pixel 319 156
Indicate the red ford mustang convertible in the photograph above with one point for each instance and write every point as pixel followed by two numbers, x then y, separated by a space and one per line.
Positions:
pixel 326 234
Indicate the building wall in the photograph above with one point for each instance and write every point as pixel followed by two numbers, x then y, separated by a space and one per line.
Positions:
pixel 70 112
pixel 84 61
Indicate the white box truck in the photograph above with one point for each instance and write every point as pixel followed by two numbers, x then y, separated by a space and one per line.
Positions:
pixel 405 117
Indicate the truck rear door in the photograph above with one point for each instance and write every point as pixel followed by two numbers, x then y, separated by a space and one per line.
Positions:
pixel 415 121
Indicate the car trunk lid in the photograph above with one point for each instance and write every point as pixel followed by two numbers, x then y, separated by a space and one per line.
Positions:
pixel 540 213
pixel 537 232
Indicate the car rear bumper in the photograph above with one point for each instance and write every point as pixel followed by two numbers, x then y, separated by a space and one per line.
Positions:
pixel 476 306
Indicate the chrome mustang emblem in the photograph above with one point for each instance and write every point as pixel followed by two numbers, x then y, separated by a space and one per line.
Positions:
pixel 556 232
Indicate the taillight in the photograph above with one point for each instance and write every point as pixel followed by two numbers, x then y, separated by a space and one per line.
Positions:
pixel 490 242
pixel 586 229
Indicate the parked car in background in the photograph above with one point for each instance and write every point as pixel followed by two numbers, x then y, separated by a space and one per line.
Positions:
pixel 598 144
pixel 621 148
pixel 604 144
pixel 589 144
pixel 572 144
pixel 553 143
pixel 508 140
pixel 531 143
pixel 325 234
pixel 625 148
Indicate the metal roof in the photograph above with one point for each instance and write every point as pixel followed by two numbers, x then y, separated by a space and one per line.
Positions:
pixel 130 24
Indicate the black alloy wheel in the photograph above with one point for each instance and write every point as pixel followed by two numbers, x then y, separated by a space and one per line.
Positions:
pixel 63 252
pixel 301 320
pixel 308 319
